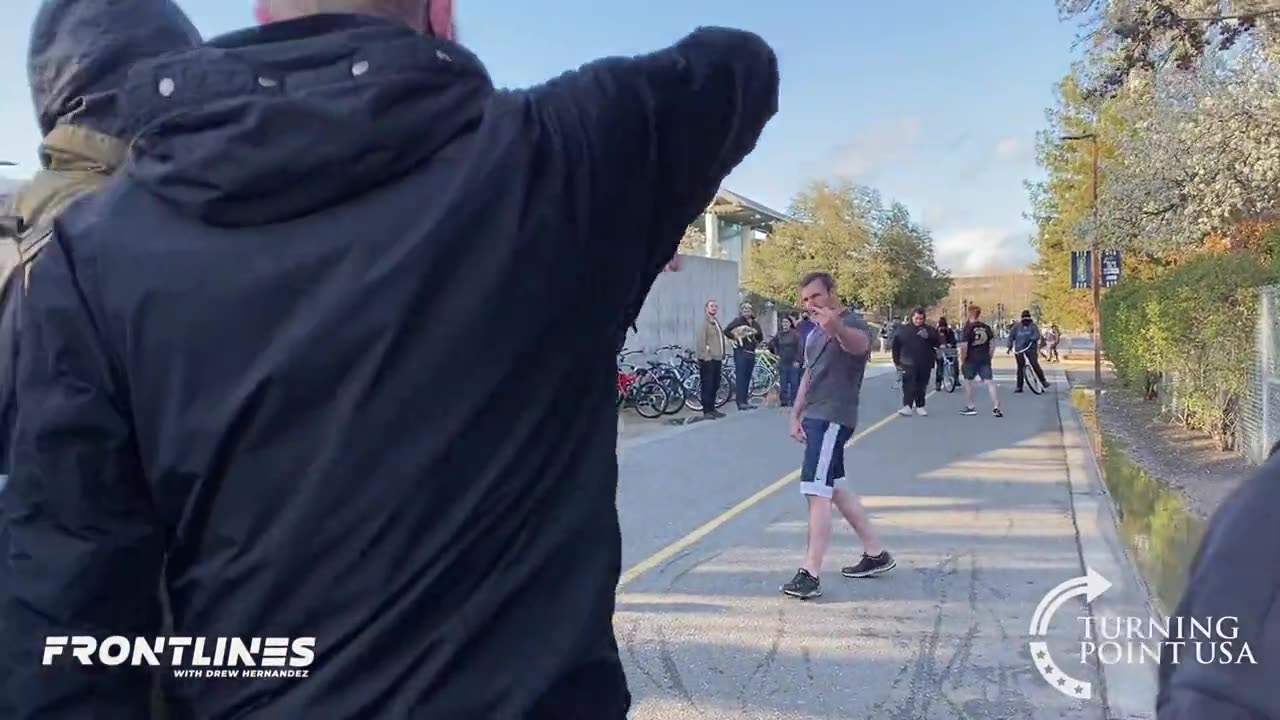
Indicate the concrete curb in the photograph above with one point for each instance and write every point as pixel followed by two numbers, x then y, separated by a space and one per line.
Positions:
pixel 1129 690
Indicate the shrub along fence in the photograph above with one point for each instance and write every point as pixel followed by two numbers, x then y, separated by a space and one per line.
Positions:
pixel 1188 337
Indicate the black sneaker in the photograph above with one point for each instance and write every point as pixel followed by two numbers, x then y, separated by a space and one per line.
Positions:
pixel 709 416
pixel 996 412
pixel 870 566
pixel 969 411
pixel 717 414
pixel 803 586
pixel 1015 392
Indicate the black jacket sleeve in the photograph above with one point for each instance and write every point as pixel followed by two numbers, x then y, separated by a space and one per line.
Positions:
pixel 648 140
pixel 1234 578
pixel 733 325
pixel 896 349
pixel 85 549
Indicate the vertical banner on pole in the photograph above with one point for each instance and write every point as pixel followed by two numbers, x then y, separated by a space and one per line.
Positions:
pixel 1081 269
pixel 1110 267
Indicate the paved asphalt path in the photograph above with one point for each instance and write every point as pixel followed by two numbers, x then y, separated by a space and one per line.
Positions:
pixel 976 509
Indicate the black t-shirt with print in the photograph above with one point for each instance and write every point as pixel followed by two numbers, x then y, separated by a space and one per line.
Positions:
pixel 978 336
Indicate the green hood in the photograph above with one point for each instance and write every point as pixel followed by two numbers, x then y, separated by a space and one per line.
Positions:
pixel 77 160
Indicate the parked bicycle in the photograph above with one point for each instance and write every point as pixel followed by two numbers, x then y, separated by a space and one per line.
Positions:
pixel 684 364
pixel 661 373
pixel 764 375
pixel 637 388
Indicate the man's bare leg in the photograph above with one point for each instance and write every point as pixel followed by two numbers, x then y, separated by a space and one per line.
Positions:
pixel 994 393
pixel 856 515
pixel 819 534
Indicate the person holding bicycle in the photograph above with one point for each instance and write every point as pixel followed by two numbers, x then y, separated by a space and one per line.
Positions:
pixel 949 343
pixel 1025 338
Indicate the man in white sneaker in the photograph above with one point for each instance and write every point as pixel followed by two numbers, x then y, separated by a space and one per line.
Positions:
pixel 915 350
pixel 824 417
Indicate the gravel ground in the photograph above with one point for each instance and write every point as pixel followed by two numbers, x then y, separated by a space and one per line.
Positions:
pixel 1184 460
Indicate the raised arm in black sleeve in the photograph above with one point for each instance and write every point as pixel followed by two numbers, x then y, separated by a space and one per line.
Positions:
pixel 647 142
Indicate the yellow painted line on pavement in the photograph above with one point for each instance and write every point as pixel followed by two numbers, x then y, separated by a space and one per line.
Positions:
pixel 712 525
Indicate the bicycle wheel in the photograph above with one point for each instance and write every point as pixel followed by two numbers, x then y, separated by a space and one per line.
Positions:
pixel 675 392
pixel 1033 382
pixel 948 380
pixel 762 378
pixel 724 394
pixel 693 392
pixel 650 399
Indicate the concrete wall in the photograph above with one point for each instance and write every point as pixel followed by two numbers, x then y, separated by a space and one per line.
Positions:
pixel 675 303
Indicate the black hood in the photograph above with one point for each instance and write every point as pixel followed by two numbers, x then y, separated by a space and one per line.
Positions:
pixel 81 52
pixel 279 121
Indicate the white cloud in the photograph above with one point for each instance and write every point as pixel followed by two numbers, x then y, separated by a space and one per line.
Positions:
pixel 977 250
pixel 864 156
pixel 1012 148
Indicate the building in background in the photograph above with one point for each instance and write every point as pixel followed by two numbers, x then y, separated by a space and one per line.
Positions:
pixel 1002 297
pixel 732 224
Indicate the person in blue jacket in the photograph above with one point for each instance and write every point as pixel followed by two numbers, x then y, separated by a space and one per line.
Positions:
pixel 232 360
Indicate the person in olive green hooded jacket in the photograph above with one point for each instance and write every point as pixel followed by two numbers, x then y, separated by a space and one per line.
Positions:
pixel 80 55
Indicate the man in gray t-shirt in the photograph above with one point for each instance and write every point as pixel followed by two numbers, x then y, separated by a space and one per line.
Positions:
pixel 824 417
pixel 835 377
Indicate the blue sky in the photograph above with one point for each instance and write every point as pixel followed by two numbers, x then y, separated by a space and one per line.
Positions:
pixel 936 102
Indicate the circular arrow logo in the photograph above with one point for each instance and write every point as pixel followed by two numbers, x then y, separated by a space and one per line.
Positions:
pixel 1090 585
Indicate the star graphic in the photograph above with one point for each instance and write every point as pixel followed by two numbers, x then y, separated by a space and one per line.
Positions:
pixel 1079 690
pixel 1062 681
pixel 1048 669
pixel 1041 655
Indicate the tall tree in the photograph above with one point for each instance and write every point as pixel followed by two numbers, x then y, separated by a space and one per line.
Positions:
pixel 830 233
pixel 878 255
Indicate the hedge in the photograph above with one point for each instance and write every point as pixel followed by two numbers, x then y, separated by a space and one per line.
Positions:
pixel 1192 328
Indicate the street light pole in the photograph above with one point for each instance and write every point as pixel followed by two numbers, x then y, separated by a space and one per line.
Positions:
pixel 1095 270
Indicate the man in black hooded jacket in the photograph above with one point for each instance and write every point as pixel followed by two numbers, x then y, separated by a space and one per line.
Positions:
pixel 232 364
pixel 78 57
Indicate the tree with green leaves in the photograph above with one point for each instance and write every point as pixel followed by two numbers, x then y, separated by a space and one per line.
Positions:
pixel 879 256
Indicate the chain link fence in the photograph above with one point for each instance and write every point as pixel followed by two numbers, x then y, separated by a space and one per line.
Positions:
pixel 1260 414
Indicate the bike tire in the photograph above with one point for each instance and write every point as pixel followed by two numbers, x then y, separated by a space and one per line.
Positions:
pixel 1032 382
pixel 949 383
pixel 723 394
pixel 675 393
pixel 693 393
pixel 761 381
pixel 649 400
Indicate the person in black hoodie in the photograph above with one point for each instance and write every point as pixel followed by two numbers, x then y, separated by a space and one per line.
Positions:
pixel 78 58
pixel 915 349
pixel 746 334
pixel 1234 577
pixel 227 354
pixel 788 345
